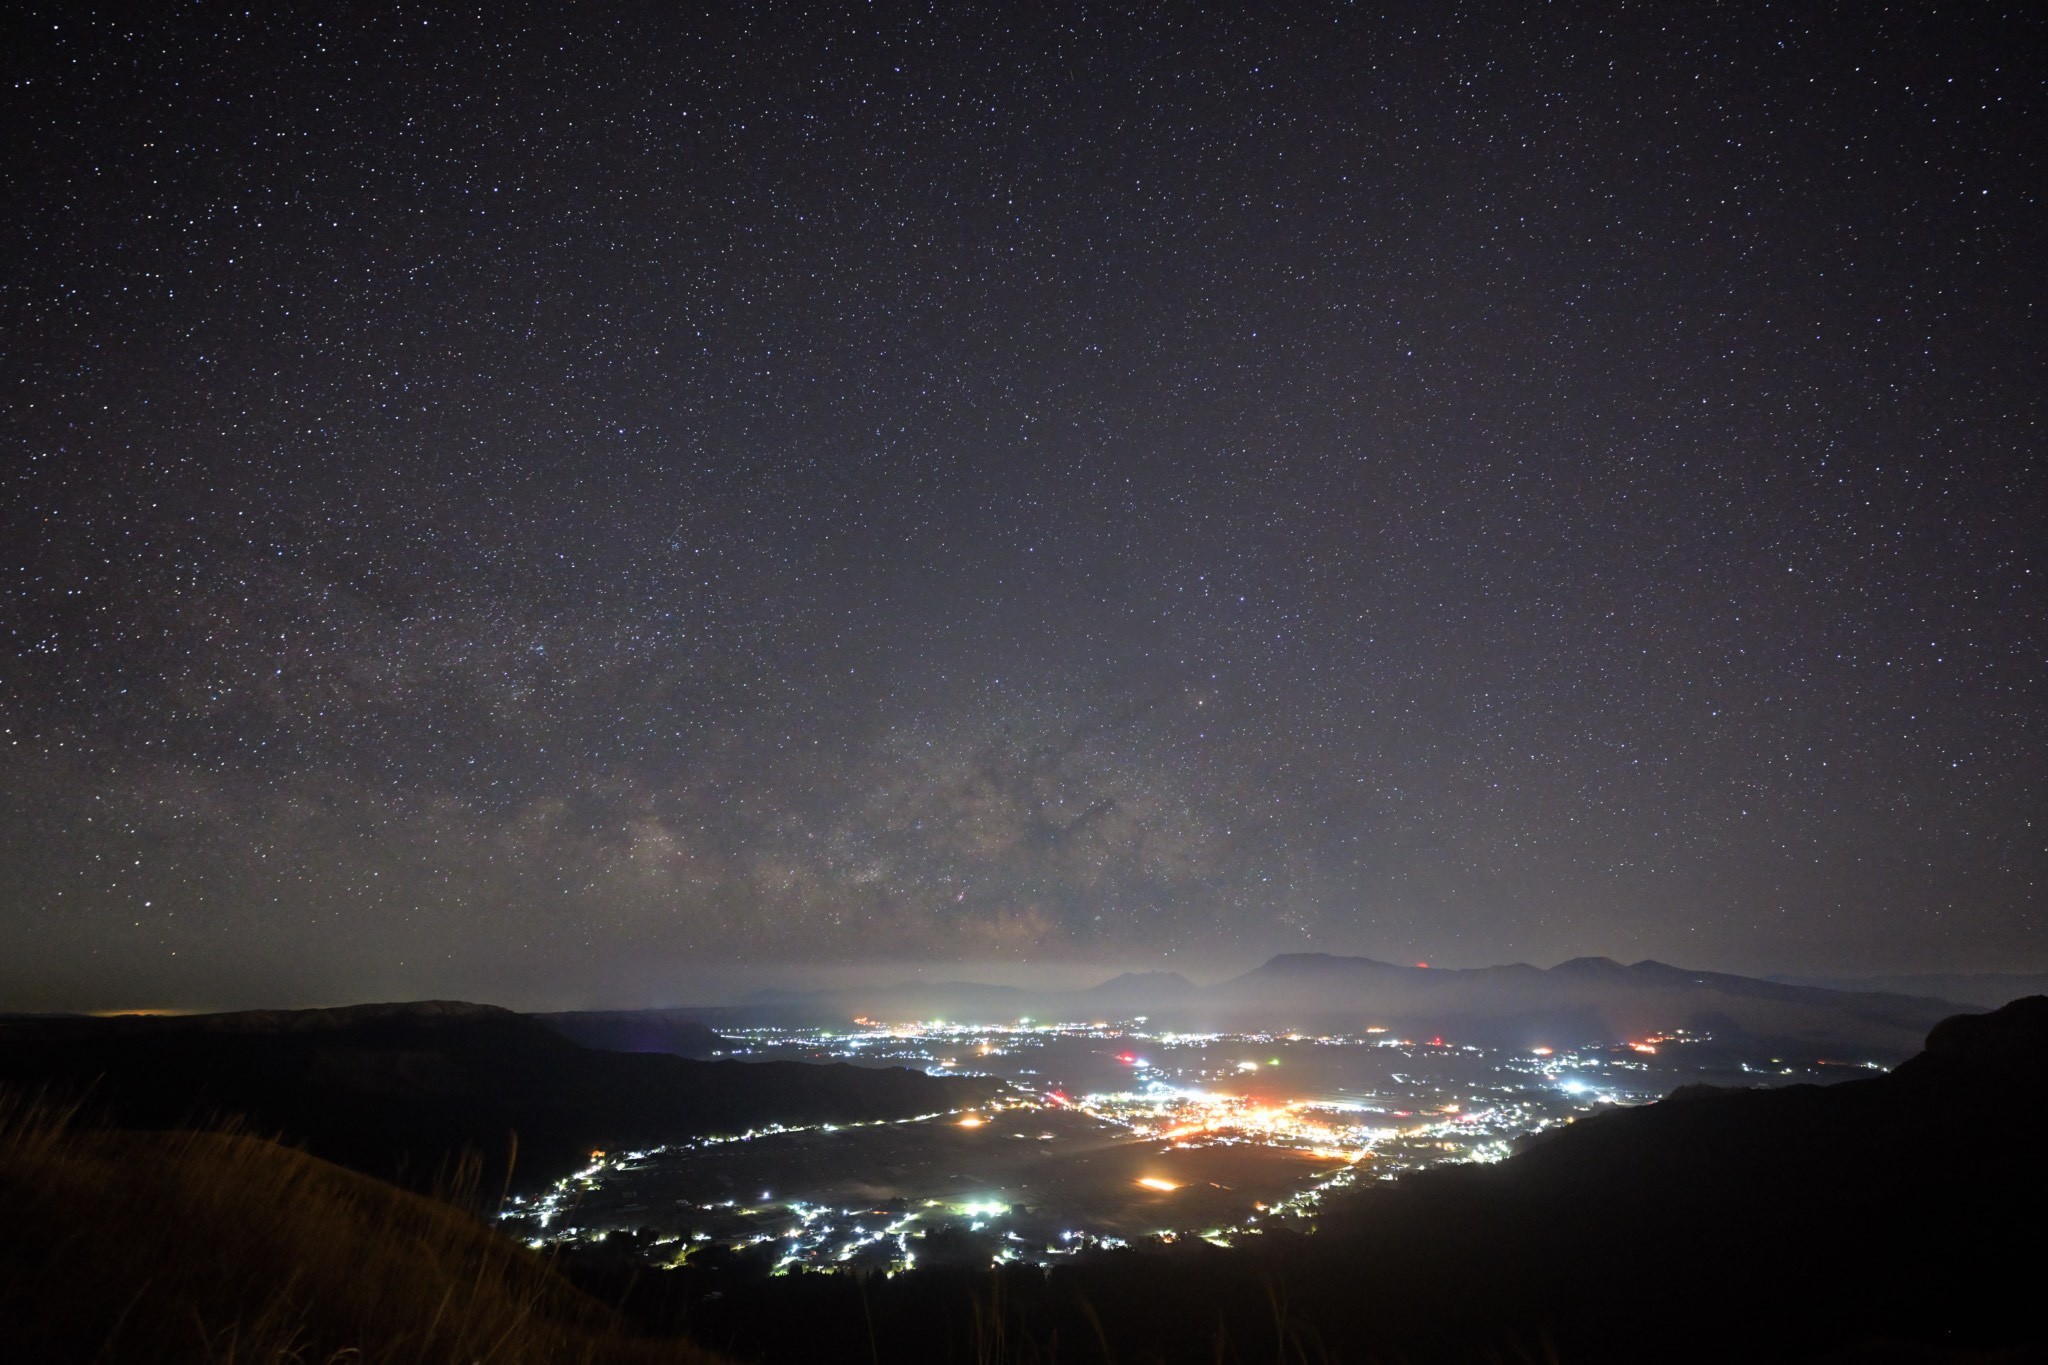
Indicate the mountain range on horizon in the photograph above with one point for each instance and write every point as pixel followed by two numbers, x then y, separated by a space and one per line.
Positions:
pixel 1583 1000
pixel 1989 989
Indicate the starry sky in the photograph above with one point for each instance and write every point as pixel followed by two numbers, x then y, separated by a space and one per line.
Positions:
pixel 592 504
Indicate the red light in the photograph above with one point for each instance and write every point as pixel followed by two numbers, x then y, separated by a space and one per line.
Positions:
pixel 1423 965
pixel 1126 1057
pixel 1436 1041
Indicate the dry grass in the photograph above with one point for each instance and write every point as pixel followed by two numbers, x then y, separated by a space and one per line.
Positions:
pixel 224 1249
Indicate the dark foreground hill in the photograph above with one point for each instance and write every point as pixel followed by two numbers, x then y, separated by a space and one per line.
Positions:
pixel 401 1091
pixel 1902 1217
pixel 208 1248
pixel 1751 1223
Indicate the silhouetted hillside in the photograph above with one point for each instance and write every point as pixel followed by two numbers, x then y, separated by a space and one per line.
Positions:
pixel 676 1032
pixel 1804 1216
pixel 400 1090
pixel 207 1248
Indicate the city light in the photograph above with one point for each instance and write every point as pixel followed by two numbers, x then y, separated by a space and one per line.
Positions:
pixel 1078 1111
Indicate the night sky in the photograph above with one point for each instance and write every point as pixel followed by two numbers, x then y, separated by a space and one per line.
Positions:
pixel 590 507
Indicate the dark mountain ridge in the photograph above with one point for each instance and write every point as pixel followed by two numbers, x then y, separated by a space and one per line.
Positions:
pixel 1143 985
pixel 1989 989
pixel 402 1090
pixel 1588 1000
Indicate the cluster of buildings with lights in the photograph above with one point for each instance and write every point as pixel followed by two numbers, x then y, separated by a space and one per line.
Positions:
pixel 1434 1103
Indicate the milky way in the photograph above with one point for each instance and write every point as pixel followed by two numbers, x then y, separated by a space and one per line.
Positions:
pixel 530 504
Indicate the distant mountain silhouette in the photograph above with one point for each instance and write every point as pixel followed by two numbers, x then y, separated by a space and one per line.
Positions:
pixel 1584 1001
pixel 1135 993
pixel 1989 989
pixel 1588 999
pixel 401 1090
